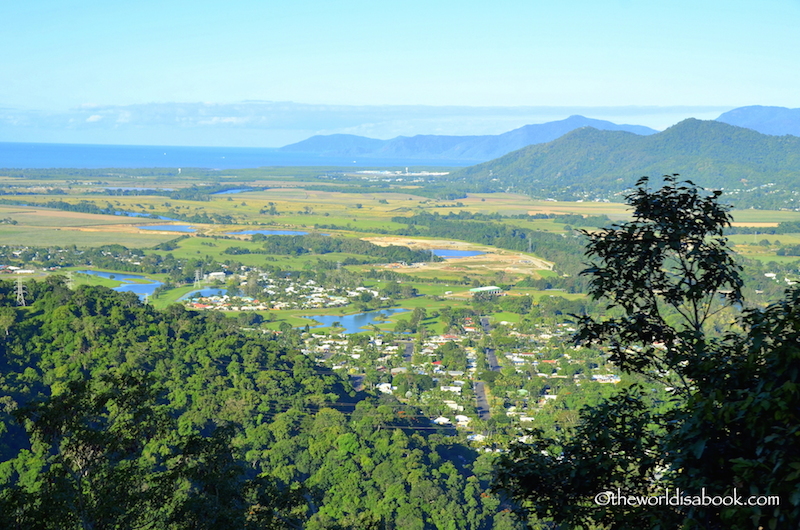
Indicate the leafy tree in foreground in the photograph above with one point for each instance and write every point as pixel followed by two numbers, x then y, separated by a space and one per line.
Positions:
pixel 735 418
pixel 669 271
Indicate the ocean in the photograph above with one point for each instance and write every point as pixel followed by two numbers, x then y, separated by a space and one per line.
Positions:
pixel 34 155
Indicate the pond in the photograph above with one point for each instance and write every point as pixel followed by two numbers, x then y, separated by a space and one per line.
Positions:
pixel 168 228
pixel 145 215
pixel 450 253
pixel 231 192
pixel 130 282
pixel 133 188
pixel 355 323
pixel 268 233
pixel 201 293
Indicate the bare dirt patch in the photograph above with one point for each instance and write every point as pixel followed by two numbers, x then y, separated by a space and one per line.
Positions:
pixel 492 261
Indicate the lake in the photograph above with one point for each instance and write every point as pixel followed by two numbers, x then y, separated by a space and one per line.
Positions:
pixel 201 293
pixel 355 323
pixel 142 289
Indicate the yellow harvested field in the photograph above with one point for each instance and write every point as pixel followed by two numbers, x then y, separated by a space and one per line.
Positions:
pixel 763 225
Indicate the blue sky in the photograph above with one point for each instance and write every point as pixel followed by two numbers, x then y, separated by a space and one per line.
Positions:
pixel 63 58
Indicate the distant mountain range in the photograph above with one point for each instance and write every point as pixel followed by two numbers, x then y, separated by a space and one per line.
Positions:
pixel 588 163
pixel 428 146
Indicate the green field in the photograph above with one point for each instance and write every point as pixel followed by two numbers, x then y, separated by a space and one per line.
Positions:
pixel 754 239
pixel 766 258
pixel 21 235
pixel 764 216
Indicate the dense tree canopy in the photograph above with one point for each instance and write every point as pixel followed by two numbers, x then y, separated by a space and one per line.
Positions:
pixel 116 415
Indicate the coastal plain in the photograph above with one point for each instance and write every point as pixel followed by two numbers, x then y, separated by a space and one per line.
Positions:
pixel 206 224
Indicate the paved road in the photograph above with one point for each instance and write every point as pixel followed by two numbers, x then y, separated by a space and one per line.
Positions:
pixel 408 351
pixel 480 400
pixel 491 360
pixel 480 387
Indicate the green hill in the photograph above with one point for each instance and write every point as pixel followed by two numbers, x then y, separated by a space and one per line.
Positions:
pixel 591 164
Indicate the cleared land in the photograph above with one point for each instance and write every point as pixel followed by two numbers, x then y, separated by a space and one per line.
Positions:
pixel 46 227
pixel 492 261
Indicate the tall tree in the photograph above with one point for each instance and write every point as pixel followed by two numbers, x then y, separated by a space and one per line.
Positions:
pixel 668 271
pixel 734 420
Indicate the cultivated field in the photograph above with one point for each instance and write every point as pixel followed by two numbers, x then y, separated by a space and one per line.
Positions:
pixel 46 227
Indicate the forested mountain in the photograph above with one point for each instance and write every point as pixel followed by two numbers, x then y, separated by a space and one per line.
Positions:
pixel 588 163
pixel 338 144
pixel 766 120
pixel 117 415
pixel 432 146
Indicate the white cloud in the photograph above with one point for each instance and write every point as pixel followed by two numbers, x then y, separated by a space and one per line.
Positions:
pixel 224 120
pixel 274 124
